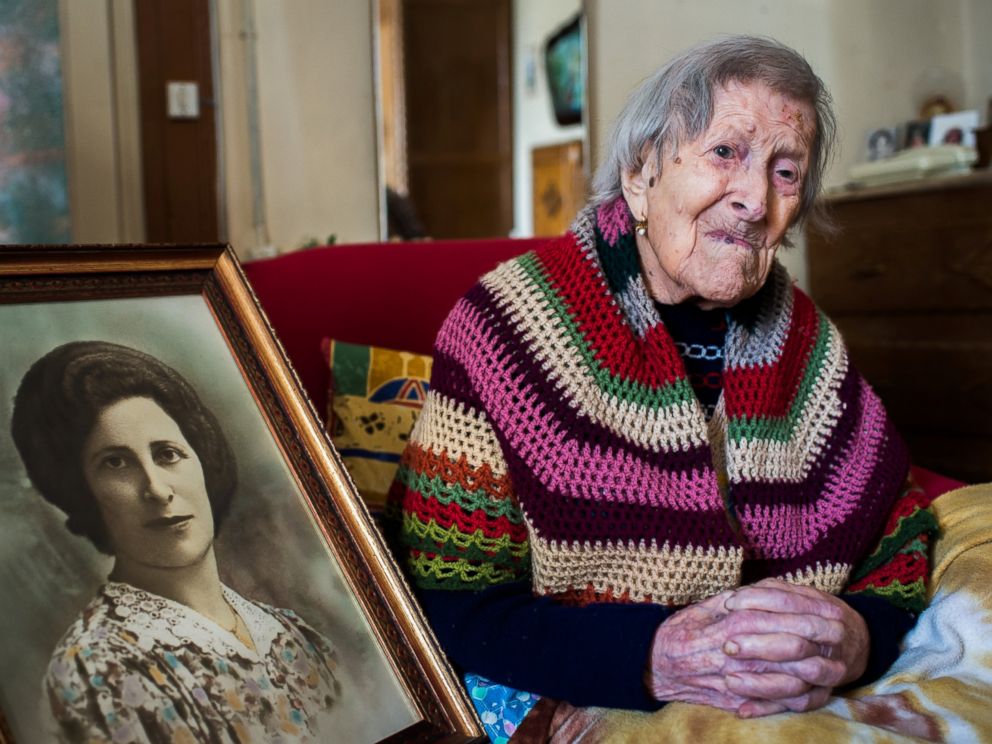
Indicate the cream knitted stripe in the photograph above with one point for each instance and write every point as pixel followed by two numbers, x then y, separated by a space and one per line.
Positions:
pixel 791 461
pixel 773 325
pixel 666 575
pixel 584 230
pixel 638 305
pixel 452 427
pixel 830 578
pixel 657 430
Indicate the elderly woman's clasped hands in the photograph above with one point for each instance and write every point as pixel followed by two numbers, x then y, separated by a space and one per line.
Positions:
pixel 764 648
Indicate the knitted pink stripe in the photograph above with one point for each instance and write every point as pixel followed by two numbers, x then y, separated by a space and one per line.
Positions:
pixel 614 218
pixel 855 471
pixel 533 435
pixel 788 530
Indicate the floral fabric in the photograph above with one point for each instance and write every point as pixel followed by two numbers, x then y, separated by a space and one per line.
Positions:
pixel 136 667
pixel 500 708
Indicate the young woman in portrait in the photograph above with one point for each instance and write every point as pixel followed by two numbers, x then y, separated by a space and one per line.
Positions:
pixel 122 444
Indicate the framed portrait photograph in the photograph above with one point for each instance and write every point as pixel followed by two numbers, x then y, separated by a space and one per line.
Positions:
pixel 882 143
pixel 183 557
pixel 916 134
pixel 957 128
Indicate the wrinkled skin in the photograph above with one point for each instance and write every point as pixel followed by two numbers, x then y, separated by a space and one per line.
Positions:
pixel 762 649
pixel 721 206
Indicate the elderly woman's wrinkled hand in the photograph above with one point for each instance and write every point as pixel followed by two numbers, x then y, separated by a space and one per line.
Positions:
pixel 843 642
pixel 762 649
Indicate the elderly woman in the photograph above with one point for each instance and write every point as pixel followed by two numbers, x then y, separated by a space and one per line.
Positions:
pixel 123 445
pixel 647 470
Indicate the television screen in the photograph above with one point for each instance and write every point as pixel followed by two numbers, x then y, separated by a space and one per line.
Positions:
pixel 566 72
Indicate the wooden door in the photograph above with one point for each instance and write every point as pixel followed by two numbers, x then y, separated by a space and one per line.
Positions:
pixel 179 155
pixel 459 127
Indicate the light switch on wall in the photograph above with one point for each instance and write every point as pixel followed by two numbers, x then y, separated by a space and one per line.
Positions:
pixel 183 100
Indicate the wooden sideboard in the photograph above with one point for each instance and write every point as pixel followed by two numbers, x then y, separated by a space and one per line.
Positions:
pixel 908 280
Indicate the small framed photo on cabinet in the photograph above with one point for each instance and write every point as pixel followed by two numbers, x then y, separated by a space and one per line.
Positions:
pixel 954 129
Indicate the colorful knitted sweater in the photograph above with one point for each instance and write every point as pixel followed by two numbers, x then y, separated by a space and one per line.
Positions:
pixel 562 443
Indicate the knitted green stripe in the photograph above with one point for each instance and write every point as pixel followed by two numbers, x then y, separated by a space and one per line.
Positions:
pixel 912 597
pixel 914 546
pixel 436 573
pixel 432 537
pixel 472 553
pixel 453 493
pixel 908 529
pixel 782 429
pixel 631 391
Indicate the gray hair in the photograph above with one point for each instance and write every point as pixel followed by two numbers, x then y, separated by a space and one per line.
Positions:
pixel 675 105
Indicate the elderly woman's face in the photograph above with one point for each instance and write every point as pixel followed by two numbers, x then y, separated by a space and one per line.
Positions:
pixel 720 208
pixel 149 486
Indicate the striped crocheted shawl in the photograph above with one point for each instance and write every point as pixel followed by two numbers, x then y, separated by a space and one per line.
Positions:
pixel 561 439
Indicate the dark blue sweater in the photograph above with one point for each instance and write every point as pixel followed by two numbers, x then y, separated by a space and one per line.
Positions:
pixel 593 655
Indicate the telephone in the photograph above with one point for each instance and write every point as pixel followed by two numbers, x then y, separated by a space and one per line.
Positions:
pixel 908 165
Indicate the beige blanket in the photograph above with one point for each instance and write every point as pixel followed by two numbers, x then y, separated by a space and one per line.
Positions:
pixel 940 688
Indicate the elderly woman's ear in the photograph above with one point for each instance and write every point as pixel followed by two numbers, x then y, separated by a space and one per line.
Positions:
pixel 635 185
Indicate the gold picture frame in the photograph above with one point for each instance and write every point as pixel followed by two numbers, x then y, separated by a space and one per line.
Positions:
pixel 297 536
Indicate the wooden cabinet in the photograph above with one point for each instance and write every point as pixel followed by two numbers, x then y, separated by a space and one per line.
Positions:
pixel 559 186
pixel 908 280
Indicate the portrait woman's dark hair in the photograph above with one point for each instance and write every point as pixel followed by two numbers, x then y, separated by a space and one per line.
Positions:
pixel 56 407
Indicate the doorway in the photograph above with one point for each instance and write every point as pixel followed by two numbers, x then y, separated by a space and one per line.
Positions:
pixel 447 113
pixel 177 121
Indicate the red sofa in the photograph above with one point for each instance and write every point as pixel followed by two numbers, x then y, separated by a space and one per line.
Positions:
pixel 394 295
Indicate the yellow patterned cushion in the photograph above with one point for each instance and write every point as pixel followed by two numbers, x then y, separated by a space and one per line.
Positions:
pixel 375 397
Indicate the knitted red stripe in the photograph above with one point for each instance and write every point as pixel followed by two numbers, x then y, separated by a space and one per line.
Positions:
pixel 590 595
pixel 768 391
pixel 903 508
pixel 911 501
pixel 446 515
pixel 611 340
pixel 457 472
pixel 904 568
pixel 664 359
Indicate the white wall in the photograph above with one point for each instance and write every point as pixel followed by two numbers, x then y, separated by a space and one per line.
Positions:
pixel 100 97
pixel 874 56
pixel 316 98
pixel 976 25
pixel 317 122
pixel 534 122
